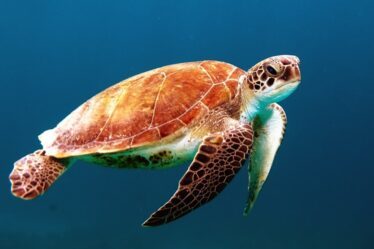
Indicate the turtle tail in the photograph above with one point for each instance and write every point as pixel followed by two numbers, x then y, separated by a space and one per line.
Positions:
pixel 33 174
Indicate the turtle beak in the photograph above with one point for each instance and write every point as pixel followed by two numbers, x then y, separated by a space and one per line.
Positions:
pixel 292 72
pixel 295 59
pixel 297 69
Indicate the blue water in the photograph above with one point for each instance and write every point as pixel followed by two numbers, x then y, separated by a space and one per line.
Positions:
pixel 56 54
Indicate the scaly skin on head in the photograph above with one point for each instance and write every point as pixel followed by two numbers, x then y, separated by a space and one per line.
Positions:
pixel 270 81
pixel 33 174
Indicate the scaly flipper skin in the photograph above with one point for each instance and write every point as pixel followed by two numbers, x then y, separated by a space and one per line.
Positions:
pixel 269 128
pixel 219 158
pixel 34 174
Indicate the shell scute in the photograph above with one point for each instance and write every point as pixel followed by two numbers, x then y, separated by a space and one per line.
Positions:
pixel 217 71
pixel 195 112
pixel 216 96
pixel 170 128
pixel 149 135
pixel 178 91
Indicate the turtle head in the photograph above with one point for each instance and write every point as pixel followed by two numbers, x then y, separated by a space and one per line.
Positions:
pixel 274 78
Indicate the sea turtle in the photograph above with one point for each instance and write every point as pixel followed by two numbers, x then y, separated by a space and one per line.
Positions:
pixel 211 113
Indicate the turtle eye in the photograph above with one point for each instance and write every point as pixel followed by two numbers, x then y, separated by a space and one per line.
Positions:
pixel 273 69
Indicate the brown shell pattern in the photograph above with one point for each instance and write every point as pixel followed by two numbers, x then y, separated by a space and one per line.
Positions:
pixel 144 109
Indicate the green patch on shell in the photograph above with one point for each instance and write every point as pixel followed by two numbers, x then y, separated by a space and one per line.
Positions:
pixel 160 159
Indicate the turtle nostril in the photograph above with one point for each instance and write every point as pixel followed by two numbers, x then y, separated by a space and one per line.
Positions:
pixel 285 61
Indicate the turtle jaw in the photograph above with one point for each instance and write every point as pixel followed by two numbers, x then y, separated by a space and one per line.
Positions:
pixel 292 84
pixel 282 92
pixel 277 93
pixel 287 83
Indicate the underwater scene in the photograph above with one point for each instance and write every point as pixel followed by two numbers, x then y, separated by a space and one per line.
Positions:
pixel 214 117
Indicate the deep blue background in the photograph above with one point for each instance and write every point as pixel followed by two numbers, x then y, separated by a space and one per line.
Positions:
pixel 56 54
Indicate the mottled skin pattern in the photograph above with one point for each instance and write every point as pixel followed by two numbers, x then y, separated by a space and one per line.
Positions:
pixel 161 118
pixel 33 174
pixel 219 158
pixel 259 78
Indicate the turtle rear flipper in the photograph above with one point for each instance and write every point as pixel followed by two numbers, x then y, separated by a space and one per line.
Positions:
pixel 33 174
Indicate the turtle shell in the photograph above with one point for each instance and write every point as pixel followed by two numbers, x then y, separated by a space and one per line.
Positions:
pixel 144 109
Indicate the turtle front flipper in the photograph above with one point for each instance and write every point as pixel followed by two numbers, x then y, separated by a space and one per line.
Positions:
pixel 219 158
pixel 269 127
pixel 33 174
